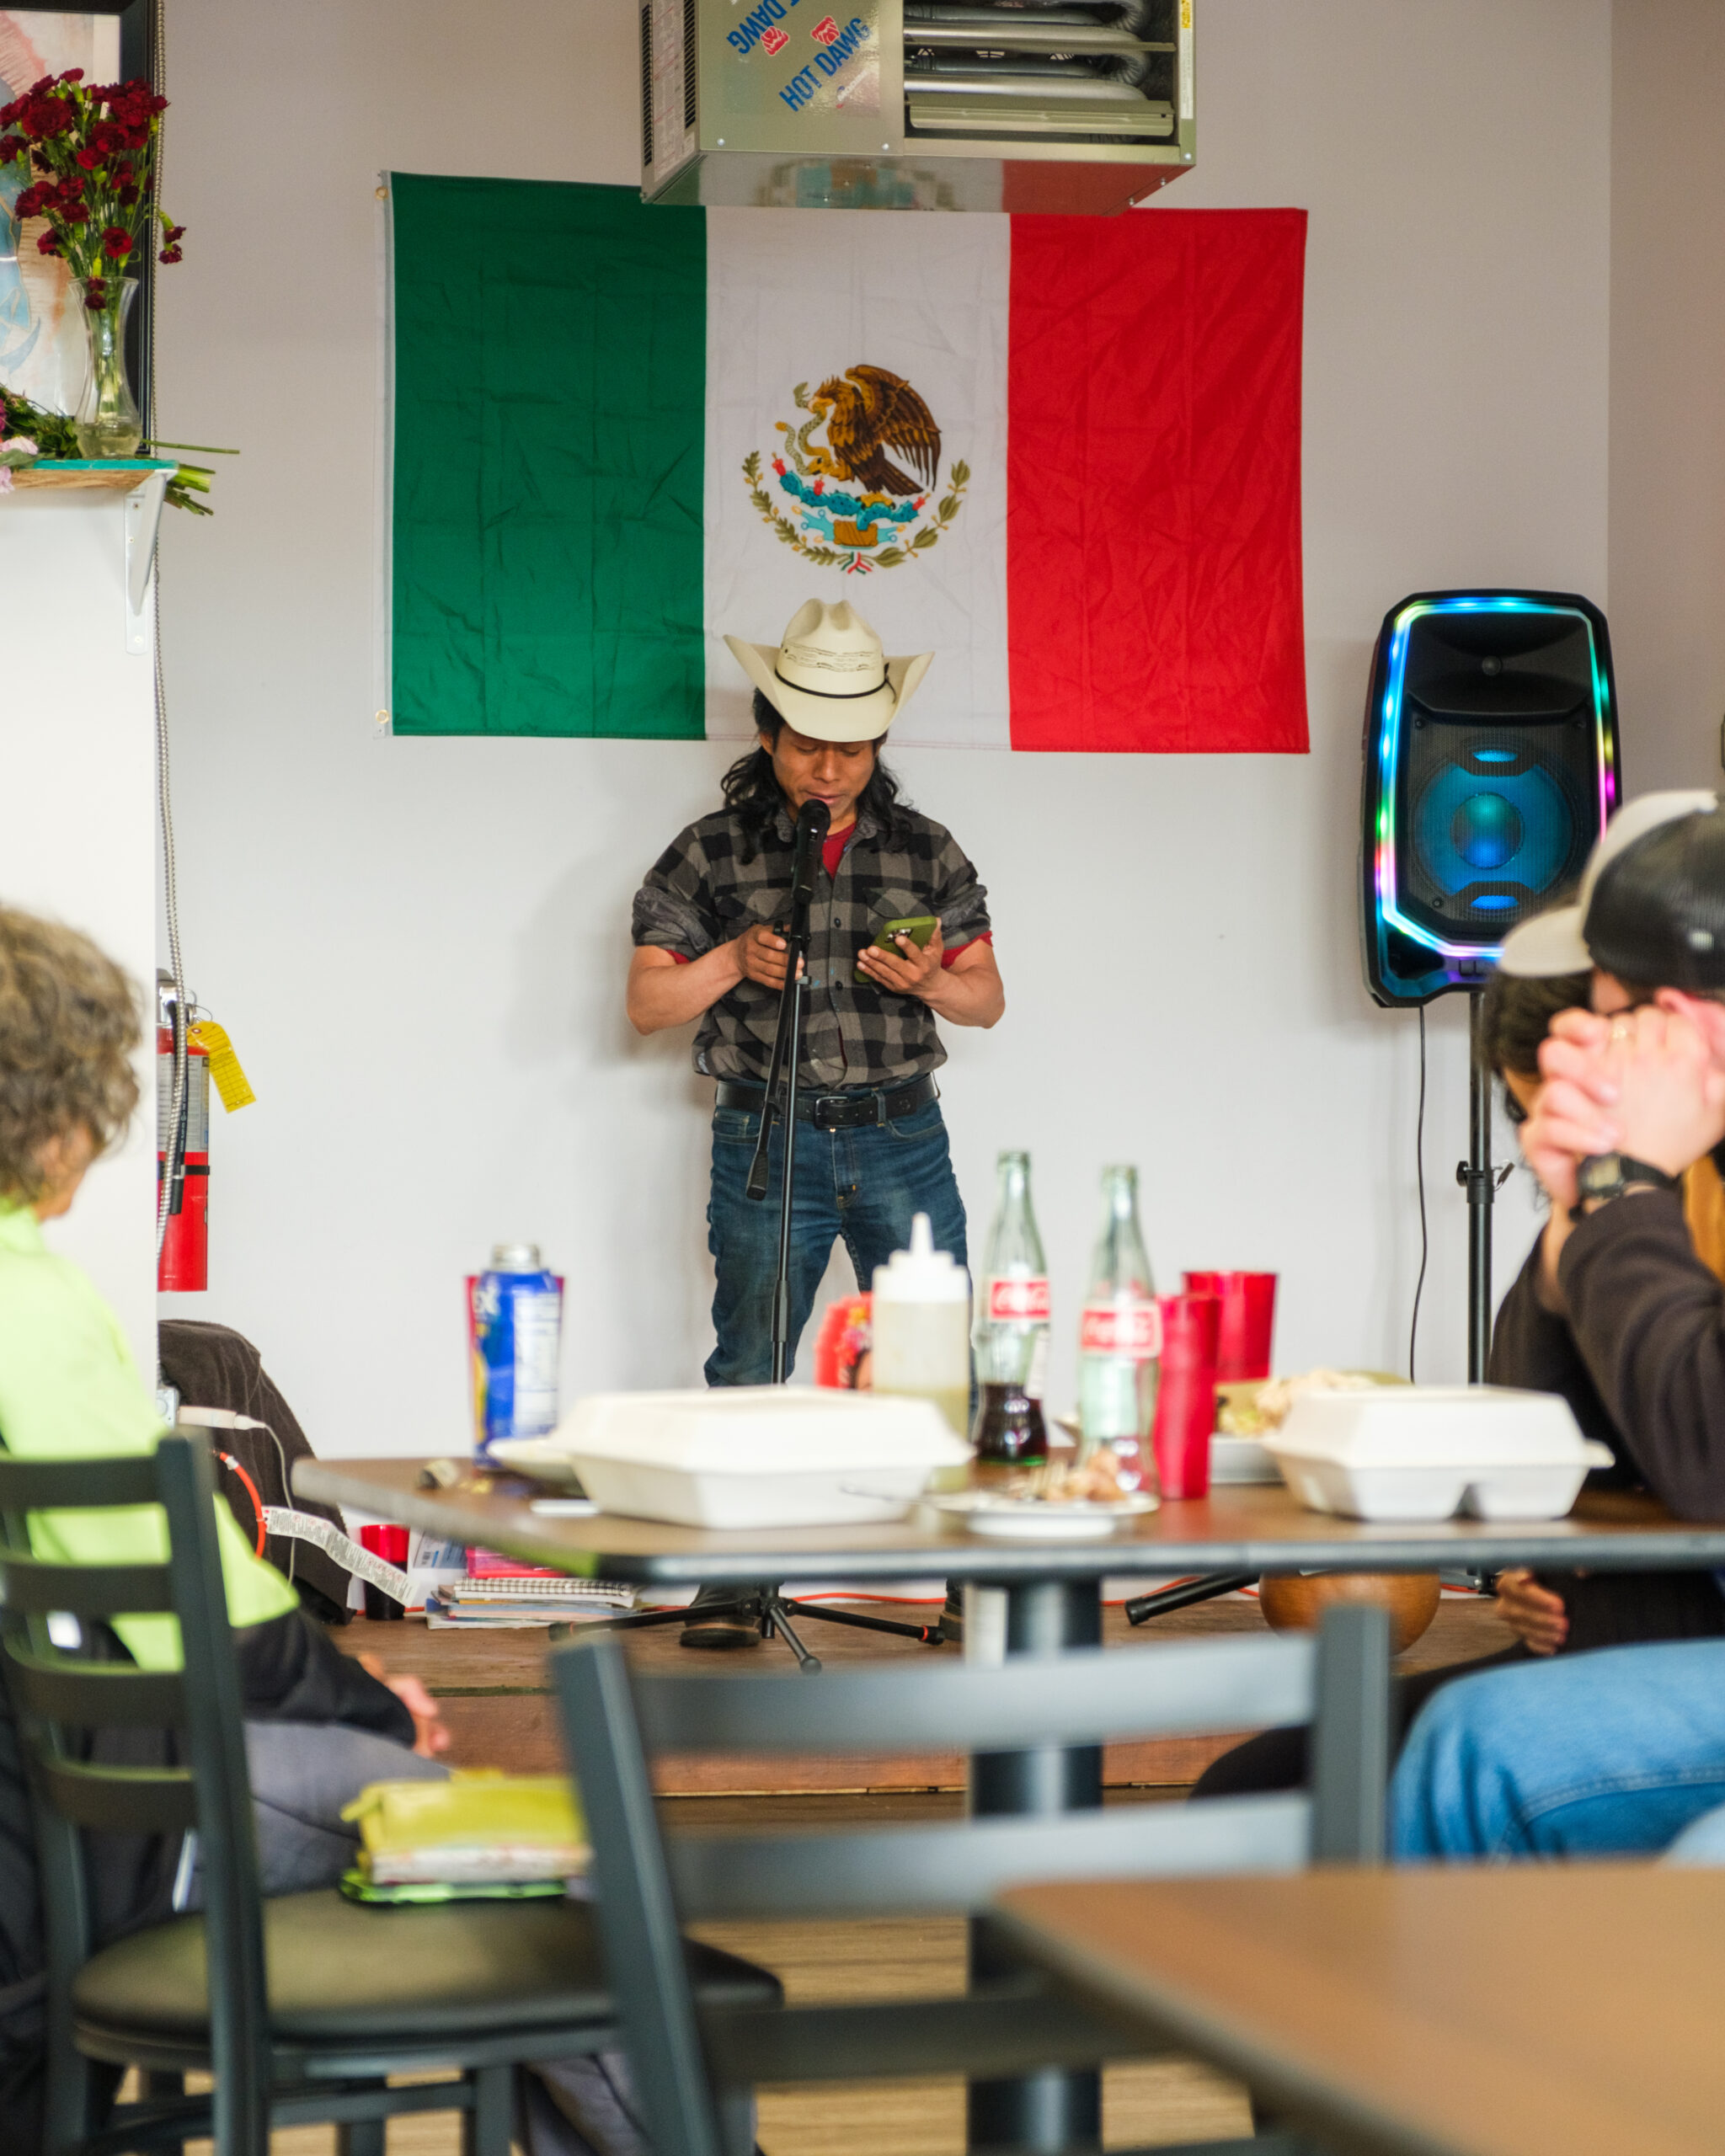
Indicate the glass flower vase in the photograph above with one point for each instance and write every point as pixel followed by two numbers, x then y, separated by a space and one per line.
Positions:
pixel 107 423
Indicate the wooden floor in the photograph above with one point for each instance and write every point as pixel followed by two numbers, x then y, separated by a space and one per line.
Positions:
pixel 496 1699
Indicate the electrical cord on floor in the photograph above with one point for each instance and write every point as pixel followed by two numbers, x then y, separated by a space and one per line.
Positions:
pixel 1425 1236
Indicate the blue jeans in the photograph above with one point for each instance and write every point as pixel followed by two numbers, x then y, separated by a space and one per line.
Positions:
pixel 863 1185
pixel 1606 1753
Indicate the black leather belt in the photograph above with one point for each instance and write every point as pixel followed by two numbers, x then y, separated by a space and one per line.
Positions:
pixel 837 1111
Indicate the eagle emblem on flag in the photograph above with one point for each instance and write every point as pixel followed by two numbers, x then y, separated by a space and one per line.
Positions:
pixel 867 495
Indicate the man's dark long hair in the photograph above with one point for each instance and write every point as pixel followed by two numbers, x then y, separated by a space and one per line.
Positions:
pixel 752 791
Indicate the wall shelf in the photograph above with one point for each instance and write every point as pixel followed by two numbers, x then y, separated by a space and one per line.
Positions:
pixel 117 474
pixel 142 480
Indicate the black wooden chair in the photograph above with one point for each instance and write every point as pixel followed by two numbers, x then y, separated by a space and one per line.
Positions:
pixel 302 2005
pixel 696 2064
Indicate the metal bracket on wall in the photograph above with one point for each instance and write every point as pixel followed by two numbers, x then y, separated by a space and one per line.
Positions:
pixel 143 518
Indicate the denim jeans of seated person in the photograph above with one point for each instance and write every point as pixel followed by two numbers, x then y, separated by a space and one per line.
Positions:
pixel 1609 1754
pixel 302 1775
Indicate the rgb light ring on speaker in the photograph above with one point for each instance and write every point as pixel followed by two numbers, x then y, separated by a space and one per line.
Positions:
pixel 1389 745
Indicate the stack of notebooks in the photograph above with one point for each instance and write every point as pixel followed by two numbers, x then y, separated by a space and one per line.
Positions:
pixel 499 1591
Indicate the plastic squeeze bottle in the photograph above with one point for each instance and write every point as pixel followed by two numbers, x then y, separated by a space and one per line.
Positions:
pixel 922 1327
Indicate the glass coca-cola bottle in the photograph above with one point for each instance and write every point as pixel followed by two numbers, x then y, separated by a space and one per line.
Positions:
pixel 1119 1339
pixel 1011 1331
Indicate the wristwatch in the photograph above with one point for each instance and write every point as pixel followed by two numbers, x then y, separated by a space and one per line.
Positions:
pixel 1603 1176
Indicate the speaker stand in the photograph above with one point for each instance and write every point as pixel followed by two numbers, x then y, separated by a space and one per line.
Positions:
pixel 1481 1182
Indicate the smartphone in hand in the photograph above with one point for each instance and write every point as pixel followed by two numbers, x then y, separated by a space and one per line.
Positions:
pixel 919 928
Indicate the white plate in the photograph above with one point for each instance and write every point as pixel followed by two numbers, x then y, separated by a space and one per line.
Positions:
pixel 1037 1519
pixel 541 1458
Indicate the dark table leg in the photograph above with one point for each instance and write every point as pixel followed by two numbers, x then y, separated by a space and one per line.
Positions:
pixel 1052 2109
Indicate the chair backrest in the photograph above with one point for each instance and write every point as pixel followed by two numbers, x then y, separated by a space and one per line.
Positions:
pixel 648 1885
pixel 64 1698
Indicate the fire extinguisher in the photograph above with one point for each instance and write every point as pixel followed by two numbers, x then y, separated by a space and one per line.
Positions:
pixel 183 1156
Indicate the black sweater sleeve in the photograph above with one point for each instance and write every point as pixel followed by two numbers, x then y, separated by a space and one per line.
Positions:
pixel 1649 1320
pixel 1535 1348
pixel 290 1670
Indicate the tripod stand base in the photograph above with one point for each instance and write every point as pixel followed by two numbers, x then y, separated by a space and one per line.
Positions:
pixel 766 1609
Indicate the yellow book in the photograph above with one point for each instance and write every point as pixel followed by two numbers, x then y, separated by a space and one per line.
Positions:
pixel 476 1828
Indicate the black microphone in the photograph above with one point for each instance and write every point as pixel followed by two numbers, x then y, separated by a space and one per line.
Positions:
pixel 812 820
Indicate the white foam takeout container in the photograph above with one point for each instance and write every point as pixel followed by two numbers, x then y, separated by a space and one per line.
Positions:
pixel 754 1456
pixel 1426 1452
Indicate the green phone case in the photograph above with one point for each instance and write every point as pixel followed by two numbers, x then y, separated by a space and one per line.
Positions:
pixel 919 928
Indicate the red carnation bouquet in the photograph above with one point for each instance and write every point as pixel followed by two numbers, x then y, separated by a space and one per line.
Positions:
pixel 88 154
pixel 91 150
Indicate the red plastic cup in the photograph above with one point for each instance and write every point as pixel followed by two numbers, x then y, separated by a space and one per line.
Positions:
pixel 390 1544
pixel 1186 1396
pixel 1248 1320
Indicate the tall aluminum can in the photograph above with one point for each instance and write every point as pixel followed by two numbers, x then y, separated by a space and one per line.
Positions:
pixel 515 1329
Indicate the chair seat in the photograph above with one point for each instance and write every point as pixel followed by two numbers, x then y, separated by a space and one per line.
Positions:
pixel 345 1972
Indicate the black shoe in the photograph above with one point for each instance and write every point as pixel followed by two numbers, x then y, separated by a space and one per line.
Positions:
pixel 952 1617
pixel 723 1628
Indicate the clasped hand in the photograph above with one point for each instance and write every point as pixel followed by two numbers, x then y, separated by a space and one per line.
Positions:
pixel 1642 1083
pixel 762 954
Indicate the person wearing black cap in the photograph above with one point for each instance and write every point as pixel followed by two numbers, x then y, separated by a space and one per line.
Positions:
pixel 1635 1096
pixel 1621 1750
pixel 1547 976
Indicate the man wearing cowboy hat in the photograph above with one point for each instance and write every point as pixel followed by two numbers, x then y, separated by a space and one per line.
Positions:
pixel 872 1146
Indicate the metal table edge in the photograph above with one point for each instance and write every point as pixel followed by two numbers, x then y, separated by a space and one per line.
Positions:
pixel 1664 1549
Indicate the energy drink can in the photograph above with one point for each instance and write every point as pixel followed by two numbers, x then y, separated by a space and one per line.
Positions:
pixel 514 1325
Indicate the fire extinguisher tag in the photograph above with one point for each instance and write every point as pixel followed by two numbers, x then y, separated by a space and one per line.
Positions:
pixel 232 1083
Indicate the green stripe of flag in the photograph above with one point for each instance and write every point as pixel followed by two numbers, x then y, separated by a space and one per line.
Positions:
pixel 550 364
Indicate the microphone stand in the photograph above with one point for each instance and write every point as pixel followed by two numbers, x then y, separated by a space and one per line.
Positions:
pixel 782 1071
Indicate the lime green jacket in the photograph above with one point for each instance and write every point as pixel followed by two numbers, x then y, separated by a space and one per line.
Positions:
pixel 70 1390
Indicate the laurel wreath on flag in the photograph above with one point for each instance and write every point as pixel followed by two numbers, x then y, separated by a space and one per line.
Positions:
pixel 850 560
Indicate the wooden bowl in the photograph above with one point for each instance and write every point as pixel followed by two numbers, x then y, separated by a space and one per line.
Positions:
pixel 1296 1602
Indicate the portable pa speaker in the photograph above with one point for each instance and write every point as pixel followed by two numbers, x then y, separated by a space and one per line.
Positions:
pixel 1491 764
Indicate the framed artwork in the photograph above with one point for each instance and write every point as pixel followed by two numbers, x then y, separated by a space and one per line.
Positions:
pixel 42 354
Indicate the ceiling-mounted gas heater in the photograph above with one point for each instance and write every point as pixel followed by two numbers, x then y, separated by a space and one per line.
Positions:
pixel 915 104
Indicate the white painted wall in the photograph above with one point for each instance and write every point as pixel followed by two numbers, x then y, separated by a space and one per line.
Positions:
pixel 420 946
pixel 1667 399
pixel 78 794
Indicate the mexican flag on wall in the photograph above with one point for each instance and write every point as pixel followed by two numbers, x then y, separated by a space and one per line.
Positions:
pixel 1063 453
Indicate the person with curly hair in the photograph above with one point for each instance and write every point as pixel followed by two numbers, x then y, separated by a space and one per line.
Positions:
pixel 69 1388
pixel 69 1028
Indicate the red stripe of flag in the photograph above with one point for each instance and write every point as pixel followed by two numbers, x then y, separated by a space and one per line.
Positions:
pixel 1153 579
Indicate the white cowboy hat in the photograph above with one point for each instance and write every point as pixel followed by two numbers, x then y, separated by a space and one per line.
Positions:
pixel 829 677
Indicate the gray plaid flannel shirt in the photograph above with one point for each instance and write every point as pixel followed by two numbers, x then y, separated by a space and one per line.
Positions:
pixel 701 892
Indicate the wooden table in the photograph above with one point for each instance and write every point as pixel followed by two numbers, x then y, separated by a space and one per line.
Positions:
pixel 1501 2010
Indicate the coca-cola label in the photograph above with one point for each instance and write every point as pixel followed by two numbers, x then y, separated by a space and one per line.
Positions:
pixel 1130 1329
pixel 1017 1298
